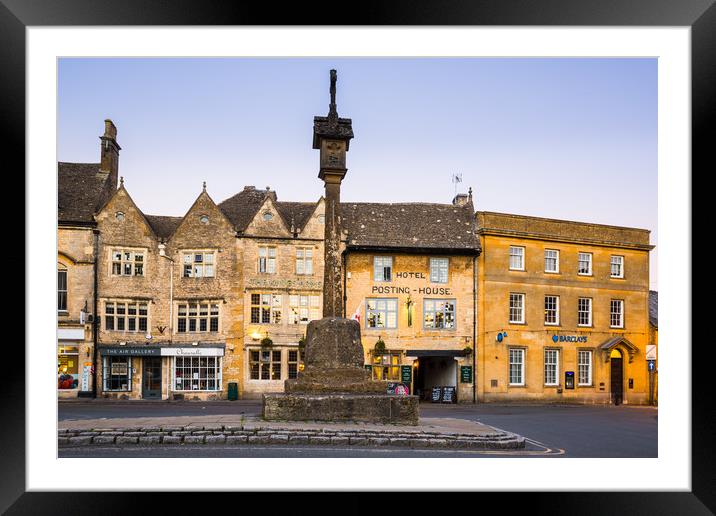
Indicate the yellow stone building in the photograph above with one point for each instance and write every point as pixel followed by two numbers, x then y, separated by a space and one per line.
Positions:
pixel 495 307
pixel 563 311
pixel 410 278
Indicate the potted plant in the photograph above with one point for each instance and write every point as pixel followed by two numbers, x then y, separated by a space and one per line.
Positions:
pixel 302 344
pixel 379 347
pixel 467 350
pixel 266 342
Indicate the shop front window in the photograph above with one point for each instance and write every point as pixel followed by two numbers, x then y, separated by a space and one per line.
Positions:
pixel 117 374
pixel 386 367
pixel 197 373
pixel 265 364
pixel 67 367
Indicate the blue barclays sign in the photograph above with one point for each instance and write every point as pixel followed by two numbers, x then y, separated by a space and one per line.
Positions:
pixel 569 338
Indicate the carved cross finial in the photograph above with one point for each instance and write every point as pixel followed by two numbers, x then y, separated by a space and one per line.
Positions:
pixel 332 112
pixel 121 180
pixel 469 192
pixel 204 186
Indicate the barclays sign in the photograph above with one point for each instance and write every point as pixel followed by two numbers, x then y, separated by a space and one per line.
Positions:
pixel 569 338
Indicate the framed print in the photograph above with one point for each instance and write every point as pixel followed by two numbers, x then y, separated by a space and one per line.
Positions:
pixel 570 324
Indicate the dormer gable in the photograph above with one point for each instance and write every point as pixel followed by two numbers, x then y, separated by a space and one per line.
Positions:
pixel 202 223
pixel 121 221
pixel 268 221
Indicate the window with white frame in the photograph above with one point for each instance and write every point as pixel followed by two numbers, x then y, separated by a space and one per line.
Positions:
pixel 551 260
pixel 267 259
pixel 439 314
pixel 126 315
pixel 517 307
pixel 584 311
pixel 517 258
pixel 551 310
pixel 198 264
pixel 266 308
pixel 196 317
pixel 117 374
pixel 616 313
pixel 584 264
pixel 197 373
pixel 381 313
pixel 303 308
pixel 551 366
pixel 62 290
pixel 382 268
pixel 617 266
pixel 265 364
pixel 127 263
pixel 304 260
pixel 439 270
pixel 293 362
pixel 584 367
pixel 517 366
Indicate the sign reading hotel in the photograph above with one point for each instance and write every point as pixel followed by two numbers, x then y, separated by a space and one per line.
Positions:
pixel 431 291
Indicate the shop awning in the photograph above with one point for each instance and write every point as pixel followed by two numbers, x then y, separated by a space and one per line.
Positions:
pixel 613 342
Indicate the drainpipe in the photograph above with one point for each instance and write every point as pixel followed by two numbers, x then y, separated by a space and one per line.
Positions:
pixel 345 294
pixel 95 318
pixel 163 254
pixel 474 329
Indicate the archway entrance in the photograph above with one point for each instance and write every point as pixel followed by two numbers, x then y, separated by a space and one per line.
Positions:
pixel 616 365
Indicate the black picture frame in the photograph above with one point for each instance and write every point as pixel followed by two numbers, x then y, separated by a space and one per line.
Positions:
pixel 700 15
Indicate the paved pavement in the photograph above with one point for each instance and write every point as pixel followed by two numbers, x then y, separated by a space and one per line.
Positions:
pixel 552 430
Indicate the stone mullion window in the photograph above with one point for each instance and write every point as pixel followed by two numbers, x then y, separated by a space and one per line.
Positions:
pixel 304 260
pixel 267 260
pixel 266 308
pixel 293 362
pixel 198 264
pixel 127 263
pixel 126 316
pixel 198 317
pixel 265 364
pixel 303 308
pixel 386 366
pixel 439 314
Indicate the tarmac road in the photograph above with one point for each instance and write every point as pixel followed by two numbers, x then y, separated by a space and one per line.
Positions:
pixel 564 430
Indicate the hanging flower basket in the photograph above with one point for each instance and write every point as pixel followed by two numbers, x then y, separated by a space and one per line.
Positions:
pixel 467 350
pixel 379 347
pixel 266 342
pixel 302 343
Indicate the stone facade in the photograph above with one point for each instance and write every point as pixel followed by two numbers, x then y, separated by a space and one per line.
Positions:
pixel 533 339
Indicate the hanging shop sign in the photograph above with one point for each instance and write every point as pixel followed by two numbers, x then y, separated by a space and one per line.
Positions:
pixel 569 338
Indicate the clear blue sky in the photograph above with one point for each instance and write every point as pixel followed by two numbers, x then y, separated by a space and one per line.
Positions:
pixel 562 138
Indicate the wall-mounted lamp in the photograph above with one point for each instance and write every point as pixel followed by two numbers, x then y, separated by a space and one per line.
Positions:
pixel 409 305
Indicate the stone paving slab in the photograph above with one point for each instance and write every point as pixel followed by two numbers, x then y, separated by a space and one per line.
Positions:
pixel 232 430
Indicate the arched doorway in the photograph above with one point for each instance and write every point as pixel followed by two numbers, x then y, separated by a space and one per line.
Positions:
pixel 616 366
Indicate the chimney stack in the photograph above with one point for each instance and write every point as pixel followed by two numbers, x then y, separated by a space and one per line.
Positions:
pixel 461 199
pixel 109 152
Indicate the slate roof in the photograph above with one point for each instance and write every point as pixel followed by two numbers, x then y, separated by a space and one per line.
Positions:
pixel 654 308
pixel 81 190
pixel 241 208
pixel 163 226
pixel 410 225
pixel 299 211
